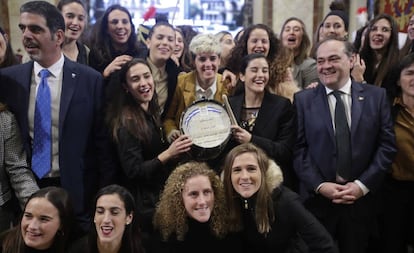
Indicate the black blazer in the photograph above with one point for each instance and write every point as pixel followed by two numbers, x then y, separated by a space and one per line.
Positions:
pixel 274 130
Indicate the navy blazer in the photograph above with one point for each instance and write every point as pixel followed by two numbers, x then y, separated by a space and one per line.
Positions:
pixel 372 137
pixel 82 138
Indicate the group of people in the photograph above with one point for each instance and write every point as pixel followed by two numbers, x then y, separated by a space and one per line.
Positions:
pixel 319 147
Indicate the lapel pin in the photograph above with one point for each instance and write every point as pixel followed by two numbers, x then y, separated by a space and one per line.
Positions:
pixel 360 98
pixel 73 75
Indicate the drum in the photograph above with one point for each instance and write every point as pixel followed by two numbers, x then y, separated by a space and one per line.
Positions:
pixel 207 123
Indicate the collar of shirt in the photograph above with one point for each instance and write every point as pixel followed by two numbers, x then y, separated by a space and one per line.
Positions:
pixel 346 89
pixel 156 71
pixel 213 88
pixel 55 69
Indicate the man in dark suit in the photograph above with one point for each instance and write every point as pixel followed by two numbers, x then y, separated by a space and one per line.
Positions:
pixel 77 140
pixel 339 176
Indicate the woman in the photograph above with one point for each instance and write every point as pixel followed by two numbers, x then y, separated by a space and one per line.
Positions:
pixel 398 204
pixel 264 119
pixel 161 44
pixel 115 41
pixel 180 51
pixel 192 213
pixel 260 39
pixel 270 217
pixel 7 57
pixel 335 24
pixel 295 38
pixel 203 82
pixel 16 178
pixel 74 13
pixel 409 45
pixel 227 44
pixel 380 50
pixel 46 224
pixel 145 157
pixel 116 228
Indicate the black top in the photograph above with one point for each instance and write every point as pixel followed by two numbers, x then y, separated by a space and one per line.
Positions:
pixel 199 238
pixel 96 62
pixel 294 229
pixel 146 174
pixel 83 55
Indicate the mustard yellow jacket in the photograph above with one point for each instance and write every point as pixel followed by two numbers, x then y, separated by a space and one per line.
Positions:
pixel 184 96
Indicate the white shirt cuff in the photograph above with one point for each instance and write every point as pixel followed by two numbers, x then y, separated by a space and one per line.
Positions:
pixel 364 189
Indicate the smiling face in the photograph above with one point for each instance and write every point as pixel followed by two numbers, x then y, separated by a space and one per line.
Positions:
pixel 292 34
pixel 110 219
pixel 380 34
pixel 3 48
pixel 119 28
pixel 256 75
pixel 227 44
pixel 410 28
pixel 334 26
pixel 161 44
pixel 198 198
pixel 40 223
pixel 179 44
pixel 140 84
pixel 246 176
pixel 38 41
pixel 258 42
pixel 206 67
pixel 75 20
pixel 333 64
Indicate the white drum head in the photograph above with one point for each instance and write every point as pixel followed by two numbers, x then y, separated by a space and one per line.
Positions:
pixel 207 123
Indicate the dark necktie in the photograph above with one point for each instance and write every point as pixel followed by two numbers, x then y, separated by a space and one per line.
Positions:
pixel 42 140
pixel 343 139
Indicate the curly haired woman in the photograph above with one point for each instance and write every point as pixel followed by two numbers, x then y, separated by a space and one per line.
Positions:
pixel 192 213
pixel 261 39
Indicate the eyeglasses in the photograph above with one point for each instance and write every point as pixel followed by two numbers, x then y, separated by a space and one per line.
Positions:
pixel 382 29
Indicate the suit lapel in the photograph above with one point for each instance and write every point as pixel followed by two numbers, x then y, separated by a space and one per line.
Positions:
pixel 357 93
pixel 25 79
pixel 189 90
pixel 266 112
pixel 236 104
pixel 69 81
pixel 320 109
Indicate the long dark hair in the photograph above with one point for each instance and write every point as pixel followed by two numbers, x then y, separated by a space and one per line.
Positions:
pixel 124 111
pixel 9 57
pixel 264 213
pixel 131 239
pixel 101 40
pixel 59 198
pixel 240 50
pixel 389 58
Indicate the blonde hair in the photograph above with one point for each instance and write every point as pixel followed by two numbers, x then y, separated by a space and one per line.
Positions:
pixel 205 43
pixel 170 214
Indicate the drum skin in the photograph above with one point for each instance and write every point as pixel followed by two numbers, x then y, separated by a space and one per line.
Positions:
pixel 207 123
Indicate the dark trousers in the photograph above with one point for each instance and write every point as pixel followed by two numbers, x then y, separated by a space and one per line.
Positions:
pixel 397 229
pixel 349 225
